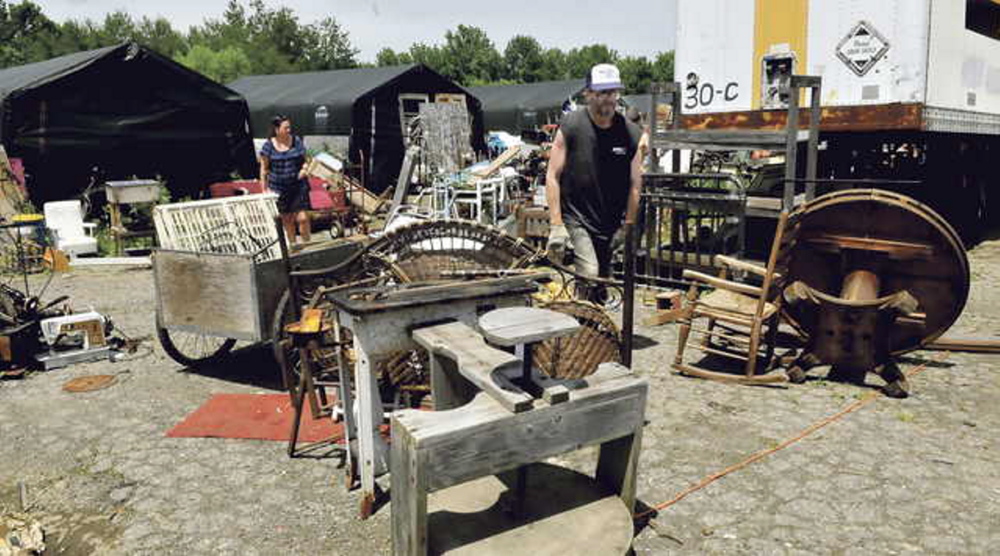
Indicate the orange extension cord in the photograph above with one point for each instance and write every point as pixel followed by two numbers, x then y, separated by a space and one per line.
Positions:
pixel 764 453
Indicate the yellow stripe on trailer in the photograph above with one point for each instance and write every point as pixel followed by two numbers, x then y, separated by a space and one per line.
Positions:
pixel 779 25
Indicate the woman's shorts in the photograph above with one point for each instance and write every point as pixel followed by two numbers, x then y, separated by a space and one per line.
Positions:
pixel 293 199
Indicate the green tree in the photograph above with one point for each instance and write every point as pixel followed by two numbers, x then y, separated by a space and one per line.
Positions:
pixel 553 65
pixel 389 57
pixel 159 35
pixel 118 27
pixel 637 73
pixel 523 61
pixel 663 67
pixel 469 56
pixel 429 55
pixel 26 34
pixel 328 47
pixel 580 60
pixel 256 33
pixel 223 66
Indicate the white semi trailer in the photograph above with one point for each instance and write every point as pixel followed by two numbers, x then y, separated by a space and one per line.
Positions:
pixel 910 88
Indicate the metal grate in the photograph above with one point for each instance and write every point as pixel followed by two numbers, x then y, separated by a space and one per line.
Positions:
pixel 686 220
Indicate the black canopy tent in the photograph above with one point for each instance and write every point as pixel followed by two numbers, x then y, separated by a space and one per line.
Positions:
pixel 353 102
pixel 129 112
pixel 515 108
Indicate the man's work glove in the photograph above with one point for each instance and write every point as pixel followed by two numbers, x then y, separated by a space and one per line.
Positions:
pixel 558 238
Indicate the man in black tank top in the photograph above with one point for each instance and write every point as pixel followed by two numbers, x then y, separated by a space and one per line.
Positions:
pixel 594 176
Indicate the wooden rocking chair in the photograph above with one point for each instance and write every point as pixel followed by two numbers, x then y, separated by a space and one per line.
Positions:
pixel 741 320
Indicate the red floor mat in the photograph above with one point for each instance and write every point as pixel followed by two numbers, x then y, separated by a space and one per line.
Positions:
pixel 252 416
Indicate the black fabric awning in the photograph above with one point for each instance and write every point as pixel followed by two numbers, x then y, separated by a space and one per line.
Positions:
pixel 323 103
pixel 128 111
pixel 514 108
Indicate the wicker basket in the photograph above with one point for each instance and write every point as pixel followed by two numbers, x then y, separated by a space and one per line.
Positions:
pixel 578 355
pixel 435 250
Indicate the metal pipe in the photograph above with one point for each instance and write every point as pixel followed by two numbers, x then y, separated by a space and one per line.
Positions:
pixel 628 303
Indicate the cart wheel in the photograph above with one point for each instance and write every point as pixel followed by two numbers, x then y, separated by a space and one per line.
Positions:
pixel 285 354
pixel 336 229
pixel 193 349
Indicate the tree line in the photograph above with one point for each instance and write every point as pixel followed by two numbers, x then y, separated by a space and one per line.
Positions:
pixel 254 38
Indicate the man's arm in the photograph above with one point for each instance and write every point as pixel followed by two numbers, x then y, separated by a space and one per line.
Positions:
pixel 632 209
pixel 557 161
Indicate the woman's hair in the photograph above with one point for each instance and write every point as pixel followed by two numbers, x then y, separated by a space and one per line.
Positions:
pixel 276 122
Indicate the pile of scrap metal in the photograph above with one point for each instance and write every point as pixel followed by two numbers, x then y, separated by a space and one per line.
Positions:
pixel 448 252
pixel 436 180
pixel 50 336
pixel 20 535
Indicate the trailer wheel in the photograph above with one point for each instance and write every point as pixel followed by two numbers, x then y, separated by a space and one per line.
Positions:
pixel 193 349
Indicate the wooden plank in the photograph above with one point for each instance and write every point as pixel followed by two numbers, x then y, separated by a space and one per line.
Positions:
pixel 722 283
pixel 477 361
pixel 525 325
pixel 500 161
pixel 770 378
pixel 205 292
pixel 551 390
pixel 663 316
pixel 553 394
pixel 405 176
pixel 482 438
pixel 895 249
pixel 703 311
pixel 409 495
pixel 359 301
pixel 617 463
pixel 741 265
pixel 967 345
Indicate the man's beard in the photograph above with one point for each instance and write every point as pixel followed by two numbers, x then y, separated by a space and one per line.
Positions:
pixel 603 109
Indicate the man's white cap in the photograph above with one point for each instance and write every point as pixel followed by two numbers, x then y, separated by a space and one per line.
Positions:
pixel 604 77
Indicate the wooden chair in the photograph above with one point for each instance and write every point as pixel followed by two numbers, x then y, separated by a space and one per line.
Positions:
pixel 742 316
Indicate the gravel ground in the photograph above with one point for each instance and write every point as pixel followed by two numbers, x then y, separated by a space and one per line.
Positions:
pixel 920 475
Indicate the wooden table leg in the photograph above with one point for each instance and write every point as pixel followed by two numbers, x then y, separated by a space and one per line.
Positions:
pixel 409 497
pixel 617 465
pixel 370 444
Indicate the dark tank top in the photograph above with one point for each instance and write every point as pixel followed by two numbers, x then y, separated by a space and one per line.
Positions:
pixel 595 181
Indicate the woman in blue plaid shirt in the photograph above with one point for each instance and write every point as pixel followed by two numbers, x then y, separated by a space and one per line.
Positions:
pixel 282 170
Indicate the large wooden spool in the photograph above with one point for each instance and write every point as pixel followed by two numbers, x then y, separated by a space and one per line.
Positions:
pixel 850 241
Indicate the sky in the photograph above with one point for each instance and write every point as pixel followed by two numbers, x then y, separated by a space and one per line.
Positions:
pixel 641 27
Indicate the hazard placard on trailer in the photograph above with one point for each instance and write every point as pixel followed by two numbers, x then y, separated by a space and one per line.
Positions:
pixel 862 48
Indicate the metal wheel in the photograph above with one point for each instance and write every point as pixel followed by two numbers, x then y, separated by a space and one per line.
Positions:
pixel 336 229
pixel 193 349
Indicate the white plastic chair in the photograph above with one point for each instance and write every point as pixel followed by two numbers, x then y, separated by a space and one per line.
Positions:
pixel 72 235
